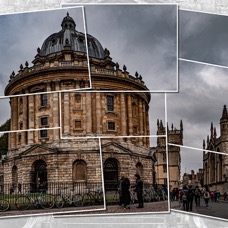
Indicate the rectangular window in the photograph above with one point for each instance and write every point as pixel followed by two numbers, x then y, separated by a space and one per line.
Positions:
pixel 110 103
pixel 44 121
pixel 43 134
pixel 78 124
pixel 43 100
pixel 135 130
pixel 111 126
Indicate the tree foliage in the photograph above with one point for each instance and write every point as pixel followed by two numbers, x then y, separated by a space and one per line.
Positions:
pixel 4 137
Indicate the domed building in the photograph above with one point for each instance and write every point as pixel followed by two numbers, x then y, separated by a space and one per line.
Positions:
pixel 57 155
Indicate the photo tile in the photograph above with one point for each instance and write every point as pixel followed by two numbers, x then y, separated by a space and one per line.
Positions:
pixel 52 179
pixel 44 52
pixel 135 41
pixel 117 114
pixel 201 104
pixel 203 183
pixel 30 113
pixel 203 37
pixel 135 175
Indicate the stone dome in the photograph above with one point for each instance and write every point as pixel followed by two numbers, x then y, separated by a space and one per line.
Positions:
pixel 69 36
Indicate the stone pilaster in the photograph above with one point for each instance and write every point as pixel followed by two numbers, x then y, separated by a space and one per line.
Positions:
pixel 98 112
pixel 130 123
pixel 123 115
pixel 66 108
pixel 140 121
pixel 88 114
pixel 31 123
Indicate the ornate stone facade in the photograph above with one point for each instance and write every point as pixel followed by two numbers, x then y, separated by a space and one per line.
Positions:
pixel 43 155
pixel 174 160
pixel 216 165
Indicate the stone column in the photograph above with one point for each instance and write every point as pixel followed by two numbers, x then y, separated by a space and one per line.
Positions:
pixel 147 128
pixel 98 112
pixel 123 115
pixel 66 108
pixel 88 114
pixel 140 121
pixel 55 112
pixel 31 123
pixel 14 121
pixel 25 119
pixel 144 123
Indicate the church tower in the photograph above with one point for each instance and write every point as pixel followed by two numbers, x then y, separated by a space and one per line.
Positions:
pixel 175 137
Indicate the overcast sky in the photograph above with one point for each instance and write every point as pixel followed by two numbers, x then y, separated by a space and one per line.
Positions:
pixel 202 95
pixel 203 37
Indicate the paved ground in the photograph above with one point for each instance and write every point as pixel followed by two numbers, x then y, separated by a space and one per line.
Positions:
pixel 219 210
pixel 161 206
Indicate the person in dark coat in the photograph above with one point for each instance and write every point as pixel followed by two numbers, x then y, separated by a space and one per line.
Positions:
pixel 190 197
pixel 139 190
pixel 126 198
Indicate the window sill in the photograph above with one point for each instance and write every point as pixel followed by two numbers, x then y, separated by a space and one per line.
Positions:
pixel 43 107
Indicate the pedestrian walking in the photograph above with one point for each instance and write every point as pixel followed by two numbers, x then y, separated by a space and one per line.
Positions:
pixel 197 196
pixel 139 190
pixel 19 187
pixel 190 197
pixel 206 196
pixel 126 198
pixel 184 194
pixel 120 191
pixel 225 195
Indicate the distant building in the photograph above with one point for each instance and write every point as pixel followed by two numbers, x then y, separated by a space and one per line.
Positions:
pixel 175 137
pixel 193 179
pixel 216 165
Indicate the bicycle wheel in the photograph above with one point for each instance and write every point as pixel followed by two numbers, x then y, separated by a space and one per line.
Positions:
pixel 86 199
pixel 4 205
pixel 146 197
pixel 22 203
pixel 47 202
pixel 59 201
pixel 100 198
pixel 77 200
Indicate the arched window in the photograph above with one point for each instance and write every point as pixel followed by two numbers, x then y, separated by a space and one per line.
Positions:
pixel 212 167
pixel 220 166
pixel 139 169
pixel 79 171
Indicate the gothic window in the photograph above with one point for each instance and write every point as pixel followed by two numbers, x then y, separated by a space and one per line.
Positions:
pixel 139 169
pixel 78 101
pixel 78 124
pixel 220 165
pixel 43 100
pixel 79 171
pixel 111 126
pixel 110 103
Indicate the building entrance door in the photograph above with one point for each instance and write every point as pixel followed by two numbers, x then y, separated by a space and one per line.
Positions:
pixel 111 174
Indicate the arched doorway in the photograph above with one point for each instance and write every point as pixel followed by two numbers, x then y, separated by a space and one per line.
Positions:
pixel 39 176
pixel 111 174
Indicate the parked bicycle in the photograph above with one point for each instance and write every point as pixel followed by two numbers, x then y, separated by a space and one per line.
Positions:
pixel 4 205
pixel 91 197
pixel 27 200
pixel 63 198
pixel 133 196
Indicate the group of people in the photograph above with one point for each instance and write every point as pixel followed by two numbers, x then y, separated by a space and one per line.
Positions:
pixel 188 195
pixel 124 191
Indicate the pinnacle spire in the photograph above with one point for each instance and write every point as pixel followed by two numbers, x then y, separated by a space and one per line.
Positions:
pixel 224 112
